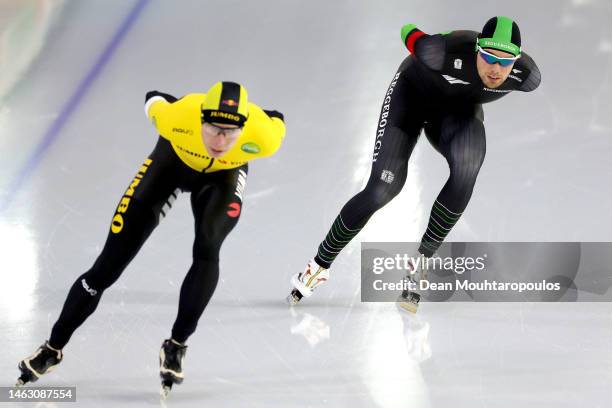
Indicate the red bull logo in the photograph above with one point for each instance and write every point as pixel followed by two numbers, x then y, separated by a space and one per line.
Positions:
pixel 229 102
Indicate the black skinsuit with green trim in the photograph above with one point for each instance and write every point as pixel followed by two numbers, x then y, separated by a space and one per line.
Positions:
pixel 437 89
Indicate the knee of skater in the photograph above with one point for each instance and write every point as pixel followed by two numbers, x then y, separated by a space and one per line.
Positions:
pixel 100 277
pixel 91 285
pixel 206 254
pixel 465 174
pixel 379 193
pixel 204 268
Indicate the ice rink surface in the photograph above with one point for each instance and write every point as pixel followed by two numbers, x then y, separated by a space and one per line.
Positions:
pixel 73 133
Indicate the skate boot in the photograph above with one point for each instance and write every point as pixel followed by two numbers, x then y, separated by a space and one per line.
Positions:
pixel 409 299
pixel 305 282
pixel 39 363
pixel 171 357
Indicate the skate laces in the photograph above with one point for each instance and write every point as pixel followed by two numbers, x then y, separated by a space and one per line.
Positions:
pixel 314 275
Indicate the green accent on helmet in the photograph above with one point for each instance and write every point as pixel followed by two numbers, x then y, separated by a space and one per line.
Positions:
pixel 503 30
pixel 502 37
pixel 446 32
pixel 406 30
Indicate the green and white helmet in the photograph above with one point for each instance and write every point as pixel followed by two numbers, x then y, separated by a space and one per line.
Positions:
pixel 502 34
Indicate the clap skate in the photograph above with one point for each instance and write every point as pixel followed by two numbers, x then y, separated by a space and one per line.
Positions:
pixel 171 356
pixel 409 299
pixel 41 362
pixel 305 282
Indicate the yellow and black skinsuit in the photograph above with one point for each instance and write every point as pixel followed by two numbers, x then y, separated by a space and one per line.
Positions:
pixel 178 163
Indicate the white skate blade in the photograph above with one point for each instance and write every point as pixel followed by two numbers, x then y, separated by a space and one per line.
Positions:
pixel 165 391
pixel 20 383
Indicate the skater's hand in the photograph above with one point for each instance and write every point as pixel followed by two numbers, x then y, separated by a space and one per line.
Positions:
pixel 275 114
pixel 166 96
pixel 406 29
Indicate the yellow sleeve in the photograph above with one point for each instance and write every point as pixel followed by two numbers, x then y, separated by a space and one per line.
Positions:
pixel 269 132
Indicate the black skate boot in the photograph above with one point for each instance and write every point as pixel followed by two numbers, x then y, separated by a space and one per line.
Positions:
pixel 39 363
pixel 171 358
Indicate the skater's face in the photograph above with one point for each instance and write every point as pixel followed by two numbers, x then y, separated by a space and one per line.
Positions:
pixel 219 138
pixel 493 75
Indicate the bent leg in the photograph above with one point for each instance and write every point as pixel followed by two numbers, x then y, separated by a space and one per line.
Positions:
pixel 462 141
pixel 386 180
pixel 399 125
pixel 216 207
pixel 136 216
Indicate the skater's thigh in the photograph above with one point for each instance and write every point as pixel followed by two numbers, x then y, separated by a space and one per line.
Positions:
pixel 138 212
pixel 163 179
pixel 217 205
pixel 399 126
pixel 442 126
pixel 155 185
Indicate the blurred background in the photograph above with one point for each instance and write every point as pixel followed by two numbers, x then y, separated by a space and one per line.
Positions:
pixel 73 75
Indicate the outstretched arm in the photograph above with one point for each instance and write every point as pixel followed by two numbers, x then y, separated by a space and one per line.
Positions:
pixel 430 50
pixel 410 34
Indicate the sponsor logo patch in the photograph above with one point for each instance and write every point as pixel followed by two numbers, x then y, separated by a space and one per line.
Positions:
pixel 225 115
pixel 117 222
pixel 497 90
pixel 89 290
pixel 229 102
pixel 250 147
pixel 240 184
pixel 454 81
pixel 234 210
pixel 387 176
pixel 184 131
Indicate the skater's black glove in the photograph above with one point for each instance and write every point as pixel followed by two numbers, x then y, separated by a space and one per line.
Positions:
pixel 275 114
pixel 166 96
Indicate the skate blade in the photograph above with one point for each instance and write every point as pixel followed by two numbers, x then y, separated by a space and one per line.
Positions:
pixel 292 300
pixel 27 376
pixel 408 306
pixel 166 387
pixel 164 392
pixel 294 297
